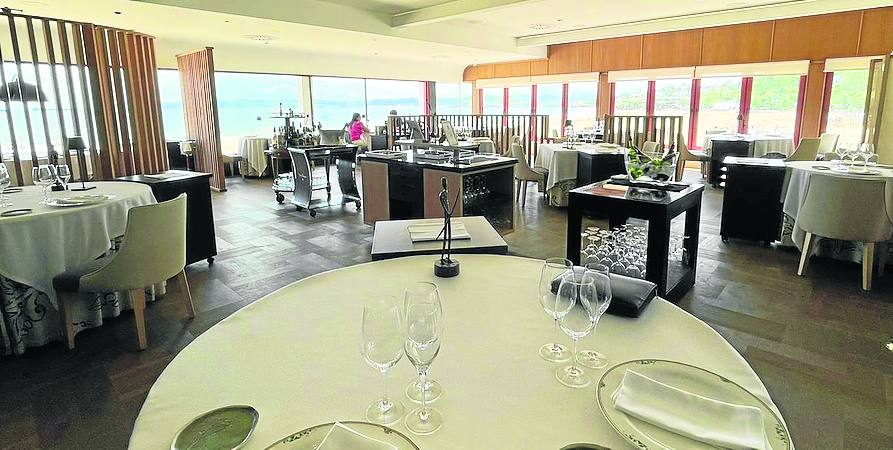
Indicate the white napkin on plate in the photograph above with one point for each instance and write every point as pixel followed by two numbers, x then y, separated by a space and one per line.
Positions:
pixel 342 437
pixel 700 418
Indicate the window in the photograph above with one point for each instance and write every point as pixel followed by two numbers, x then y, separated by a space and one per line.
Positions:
pixel 548 103
pixel 171 104
pixel 630 97
pixel 493 98
pixel 246 103
pixel 336 99
pixel 382 96
pixel 453 98
pixel 673 98
pixel 581 104
pixel 847 107
pixel 773 105
pixel 519 100
pixel 720 102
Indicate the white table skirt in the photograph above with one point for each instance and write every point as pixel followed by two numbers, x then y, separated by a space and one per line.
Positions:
pixel 761 144
pixel 294 355
pixel 252 150
pixel 562 162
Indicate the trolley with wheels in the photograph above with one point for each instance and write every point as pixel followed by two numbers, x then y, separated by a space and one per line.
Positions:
pixel 302 184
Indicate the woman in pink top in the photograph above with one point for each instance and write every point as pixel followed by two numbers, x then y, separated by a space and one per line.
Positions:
pixel 359 134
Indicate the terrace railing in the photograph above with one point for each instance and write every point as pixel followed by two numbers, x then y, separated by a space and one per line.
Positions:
pixel 664 130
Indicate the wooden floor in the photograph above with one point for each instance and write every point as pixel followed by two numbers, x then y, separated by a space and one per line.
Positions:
pixel 817 342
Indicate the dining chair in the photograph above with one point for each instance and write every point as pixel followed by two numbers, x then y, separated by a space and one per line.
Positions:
pixel 806 150
pixel 848 209
pixel 828 143
pixel 524 173
pixel 687 155
pixel 153 251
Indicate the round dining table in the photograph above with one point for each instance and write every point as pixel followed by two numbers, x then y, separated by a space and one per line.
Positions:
pixel 294 355
pixel 38 245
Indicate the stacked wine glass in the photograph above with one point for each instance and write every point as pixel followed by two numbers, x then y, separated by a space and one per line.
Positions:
pixel 622 250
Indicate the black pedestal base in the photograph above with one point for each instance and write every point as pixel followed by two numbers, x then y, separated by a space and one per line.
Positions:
pixel 446 269
pixel 85 188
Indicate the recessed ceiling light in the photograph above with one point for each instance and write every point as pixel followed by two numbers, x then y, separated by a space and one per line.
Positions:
pixel 258 37
pixel 539 26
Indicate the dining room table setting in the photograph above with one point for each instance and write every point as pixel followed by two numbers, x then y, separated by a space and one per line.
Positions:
pixel 511 353
pixel 47 228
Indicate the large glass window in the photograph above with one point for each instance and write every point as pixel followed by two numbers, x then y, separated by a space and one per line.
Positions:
pixel 720 102
pixel 382 96
pixel 453 98
pixel 630 97
pixel 519 100
pixel 171 104
pixel 246 103
pixel 581 104
pixel 548 103
pixel 673 98
pixel 336 99
pixel 773 105
pixel 847 107
pixel 493 98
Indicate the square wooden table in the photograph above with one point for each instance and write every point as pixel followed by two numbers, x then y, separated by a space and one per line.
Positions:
pixel 658 208
pixel 391 239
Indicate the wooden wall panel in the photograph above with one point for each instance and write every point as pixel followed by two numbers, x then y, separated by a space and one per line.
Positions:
pixel 617 54
pixel 877 32
pixel 511 69
pixel 570 58
pixel 737 44
pixel 539 67
pixel 817 37
pixel 812 103
pixel 200 111
pixel 673 49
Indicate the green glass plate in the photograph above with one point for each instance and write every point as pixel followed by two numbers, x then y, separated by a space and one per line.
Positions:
pixel 226 428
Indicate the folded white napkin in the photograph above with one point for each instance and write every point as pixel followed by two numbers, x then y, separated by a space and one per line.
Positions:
pixel 342 437
pixel 429 230
pixel 700 418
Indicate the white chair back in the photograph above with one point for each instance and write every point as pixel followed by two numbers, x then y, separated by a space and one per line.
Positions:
pixel 806 151
pixel 844 208
pixel 828 143
pixel 522 168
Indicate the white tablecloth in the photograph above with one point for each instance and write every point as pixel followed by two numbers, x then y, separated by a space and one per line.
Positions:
pixel 294 356
pixel 794 194
pixel 252 150
pixel 562 162
pixel 761 144
pixel 36 247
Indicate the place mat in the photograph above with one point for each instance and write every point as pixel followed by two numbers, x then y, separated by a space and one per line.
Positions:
pixel 430 231
pixel 671 186
pixel 16 212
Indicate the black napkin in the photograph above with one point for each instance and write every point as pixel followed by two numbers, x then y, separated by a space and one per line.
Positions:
pixel 630 296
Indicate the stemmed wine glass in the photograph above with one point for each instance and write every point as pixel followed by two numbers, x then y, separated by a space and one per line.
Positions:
pixel 5 182
pixel 44 176
pixel 64 174
pixel 553 269
pixel 577 294
pixel 424 332
pixel 601 279
pixel 382 347
pixel 423 292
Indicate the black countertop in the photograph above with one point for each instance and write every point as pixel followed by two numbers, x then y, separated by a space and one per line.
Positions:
pixel 411 158
pixel 170 175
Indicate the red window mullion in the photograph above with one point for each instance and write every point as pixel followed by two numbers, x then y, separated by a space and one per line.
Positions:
pixel 564 91
pixel 532 110
pixel 649 98
pixel 695 108
pixel 480 101
pixel 611 98
pixel 826 101
pixel 426 95
pixel 505 106
pixel 744 108
pixel 801 101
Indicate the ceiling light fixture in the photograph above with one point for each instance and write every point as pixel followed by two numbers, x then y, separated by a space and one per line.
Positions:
pixel 258 37
pixel 539 26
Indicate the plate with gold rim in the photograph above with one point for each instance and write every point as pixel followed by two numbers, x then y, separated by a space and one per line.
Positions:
pixel 696 380
pixel 310 438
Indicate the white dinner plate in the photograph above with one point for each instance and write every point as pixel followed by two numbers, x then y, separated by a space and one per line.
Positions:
pixel 310 438
pixel 78 200
pixel 644 435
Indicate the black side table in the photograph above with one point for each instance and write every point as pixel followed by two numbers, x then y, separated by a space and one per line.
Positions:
pixel 658 208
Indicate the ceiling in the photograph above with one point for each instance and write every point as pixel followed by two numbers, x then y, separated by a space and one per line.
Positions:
pixel 401 39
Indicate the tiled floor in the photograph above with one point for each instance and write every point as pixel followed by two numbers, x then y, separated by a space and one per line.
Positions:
pixel 816 341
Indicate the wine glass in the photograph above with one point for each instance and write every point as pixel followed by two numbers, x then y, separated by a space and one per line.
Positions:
pixel 64 173
pixel 553 268
pixel 871 157
pixel 577 322
pixel 423 337
pixel 5 182
pixel 382 347
pixel 44 176
pixel 601 280
pixel 427 293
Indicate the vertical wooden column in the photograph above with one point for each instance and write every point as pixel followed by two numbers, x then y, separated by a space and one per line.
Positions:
pixel 200 111
pixel 603 103
pixel 812 103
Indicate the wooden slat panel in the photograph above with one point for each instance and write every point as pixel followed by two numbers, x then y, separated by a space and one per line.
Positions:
pixel 877 32
pixel 135 74
pixel 673 49
pixel 816 37
pixel 737 44
pixel 17 163
pixel 17 58
pixel 200 111
pixel 57 96
pixel 539 67
pixel 512 69
pixel 35 61
pixel 124 166
pixel 570 58
pixel 97 61
pixel 812 104
pixel 78 32
pixel 617 53
pixel 64 45
pixel 155 105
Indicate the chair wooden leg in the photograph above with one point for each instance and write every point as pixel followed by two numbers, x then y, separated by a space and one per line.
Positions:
pixel 867 264
pixel 523 193
pixel 66 301
pixel 680 168
pixel 139 318
pixel 808 245
pixel 187 295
